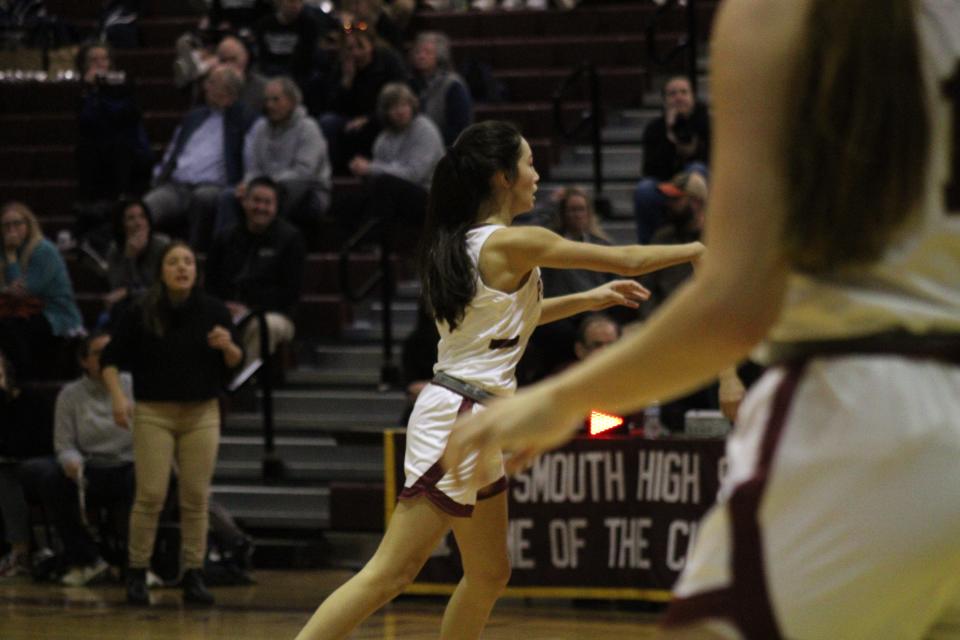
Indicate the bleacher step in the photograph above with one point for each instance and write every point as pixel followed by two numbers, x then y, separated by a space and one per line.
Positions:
pixel 375 405
pixel 275 506
pixel 314 424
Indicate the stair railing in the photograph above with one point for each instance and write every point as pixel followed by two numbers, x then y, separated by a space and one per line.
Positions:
pixel 272 466
pixel 592 118
pixel 382 276
pixel 688 42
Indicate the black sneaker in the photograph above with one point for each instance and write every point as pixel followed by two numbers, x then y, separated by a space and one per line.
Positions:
pixel 137 593
pixel 194 589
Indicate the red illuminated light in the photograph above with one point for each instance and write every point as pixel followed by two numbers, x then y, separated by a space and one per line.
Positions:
pixel 600 422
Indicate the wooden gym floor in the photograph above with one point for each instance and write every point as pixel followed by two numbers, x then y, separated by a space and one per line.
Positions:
pixel 275 608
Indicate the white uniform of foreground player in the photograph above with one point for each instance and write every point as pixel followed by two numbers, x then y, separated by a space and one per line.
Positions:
pixel 840 515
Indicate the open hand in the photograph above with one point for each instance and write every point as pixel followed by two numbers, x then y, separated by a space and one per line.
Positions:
pixel 359 166
pixel 73 469
pixel 626 293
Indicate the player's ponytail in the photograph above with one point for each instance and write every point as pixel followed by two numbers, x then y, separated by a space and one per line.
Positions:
pixel 857 135
pixel 461 184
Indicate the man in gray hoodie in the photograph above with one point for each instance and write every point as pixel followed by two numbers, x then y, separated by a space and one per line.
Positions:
pixel 288 146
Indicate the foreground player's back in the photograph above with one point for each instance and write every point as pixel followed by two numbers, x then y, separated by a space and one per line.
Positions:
pixel 914 285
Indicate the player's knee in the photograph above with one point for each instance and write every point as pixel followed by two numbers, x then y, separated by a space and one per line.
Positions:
pixel 394 579
pixel 493 575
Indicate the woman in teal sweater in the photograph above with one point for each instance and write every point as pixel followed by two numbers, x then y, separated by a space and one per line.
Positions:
pixel 36 296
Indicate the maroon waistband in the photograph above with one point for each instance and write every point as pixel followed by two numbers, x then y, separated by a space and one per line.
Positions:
pixel 944 347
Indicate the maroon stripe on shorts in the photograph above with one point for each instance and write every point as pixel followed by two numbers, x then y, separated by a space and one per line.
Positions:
pixel 492 489
pixel 746 602
pixel 426 485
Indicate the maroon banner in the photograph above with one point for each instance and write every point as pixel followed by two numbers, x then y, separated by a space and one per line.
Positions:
pixel 603 517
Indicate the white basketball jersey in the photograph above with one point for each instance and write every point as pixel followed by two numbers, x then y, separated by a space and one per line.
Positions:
pixel 488 343
pixel 915 286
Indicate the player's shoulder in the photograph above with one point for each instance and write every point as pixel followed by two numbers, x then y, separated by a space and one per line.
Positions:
pixel 522 237
pixel 755 42
pixel 761 24
pixel 752 13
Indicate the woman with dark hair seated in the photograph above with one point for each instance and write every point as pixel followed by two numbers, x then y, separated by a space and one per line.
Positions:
pixel 133 256
pixel 347 110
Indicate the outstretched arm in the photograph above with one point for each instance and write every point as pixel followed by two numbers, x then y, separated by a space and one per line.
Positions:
pixel 627 293
pixel 735 296
pixel 509 254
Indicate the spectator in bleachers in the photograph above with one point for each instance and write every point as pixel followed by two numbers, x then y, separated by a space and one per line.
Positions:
pixel 552 344
pixel 233 53
pixel 376 14
pixel 36 296
pixel 204 156
pixel 349 119
pixel 596 331
pixel 575 219
pixel 133 255
pixel 444 97
pixel 196 56
pixel 93 465
pixel 286 39
pixel 685 205
pixel 25 432
pixel 540 5
pixel 235 16
pixel 288 146
pixel 113 154
pixel 404 155
pixel 685 201
pixel 679 140
pixel 177 344
pixel 258 265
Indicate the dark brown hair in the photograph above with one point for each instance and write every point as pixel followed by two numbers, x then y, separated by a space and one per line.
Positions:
pixel 857 133
pixel 461 183
pixel 156 306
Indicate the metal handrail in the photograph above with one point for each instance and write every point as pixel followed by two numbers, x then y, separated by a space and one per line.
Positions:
pixel 383 276
pixel 272 466
pixel 687 43
pixel 593 118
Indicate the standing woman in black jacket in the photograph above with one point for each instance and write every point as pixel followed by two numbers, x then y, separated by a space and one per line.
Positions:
pixel 176 344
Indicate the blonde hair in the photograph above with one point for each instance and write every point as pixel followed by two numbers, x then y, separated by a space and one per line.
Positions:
pixel 560 215
pixel 857 133
pixel 34 235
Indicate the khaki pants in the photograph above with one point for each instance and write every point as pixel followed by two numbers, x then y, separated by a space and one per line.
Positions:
pixel 279 329
pixel 189 431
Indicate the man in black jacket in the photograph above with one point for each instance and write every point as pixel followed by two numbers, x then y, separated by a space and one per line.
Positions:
pixel 258 265
pixel 677 141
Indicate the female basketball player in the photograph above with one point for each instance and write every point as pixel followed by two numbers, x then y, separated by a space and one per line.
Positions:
pixel 834 232
pixel 481 279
